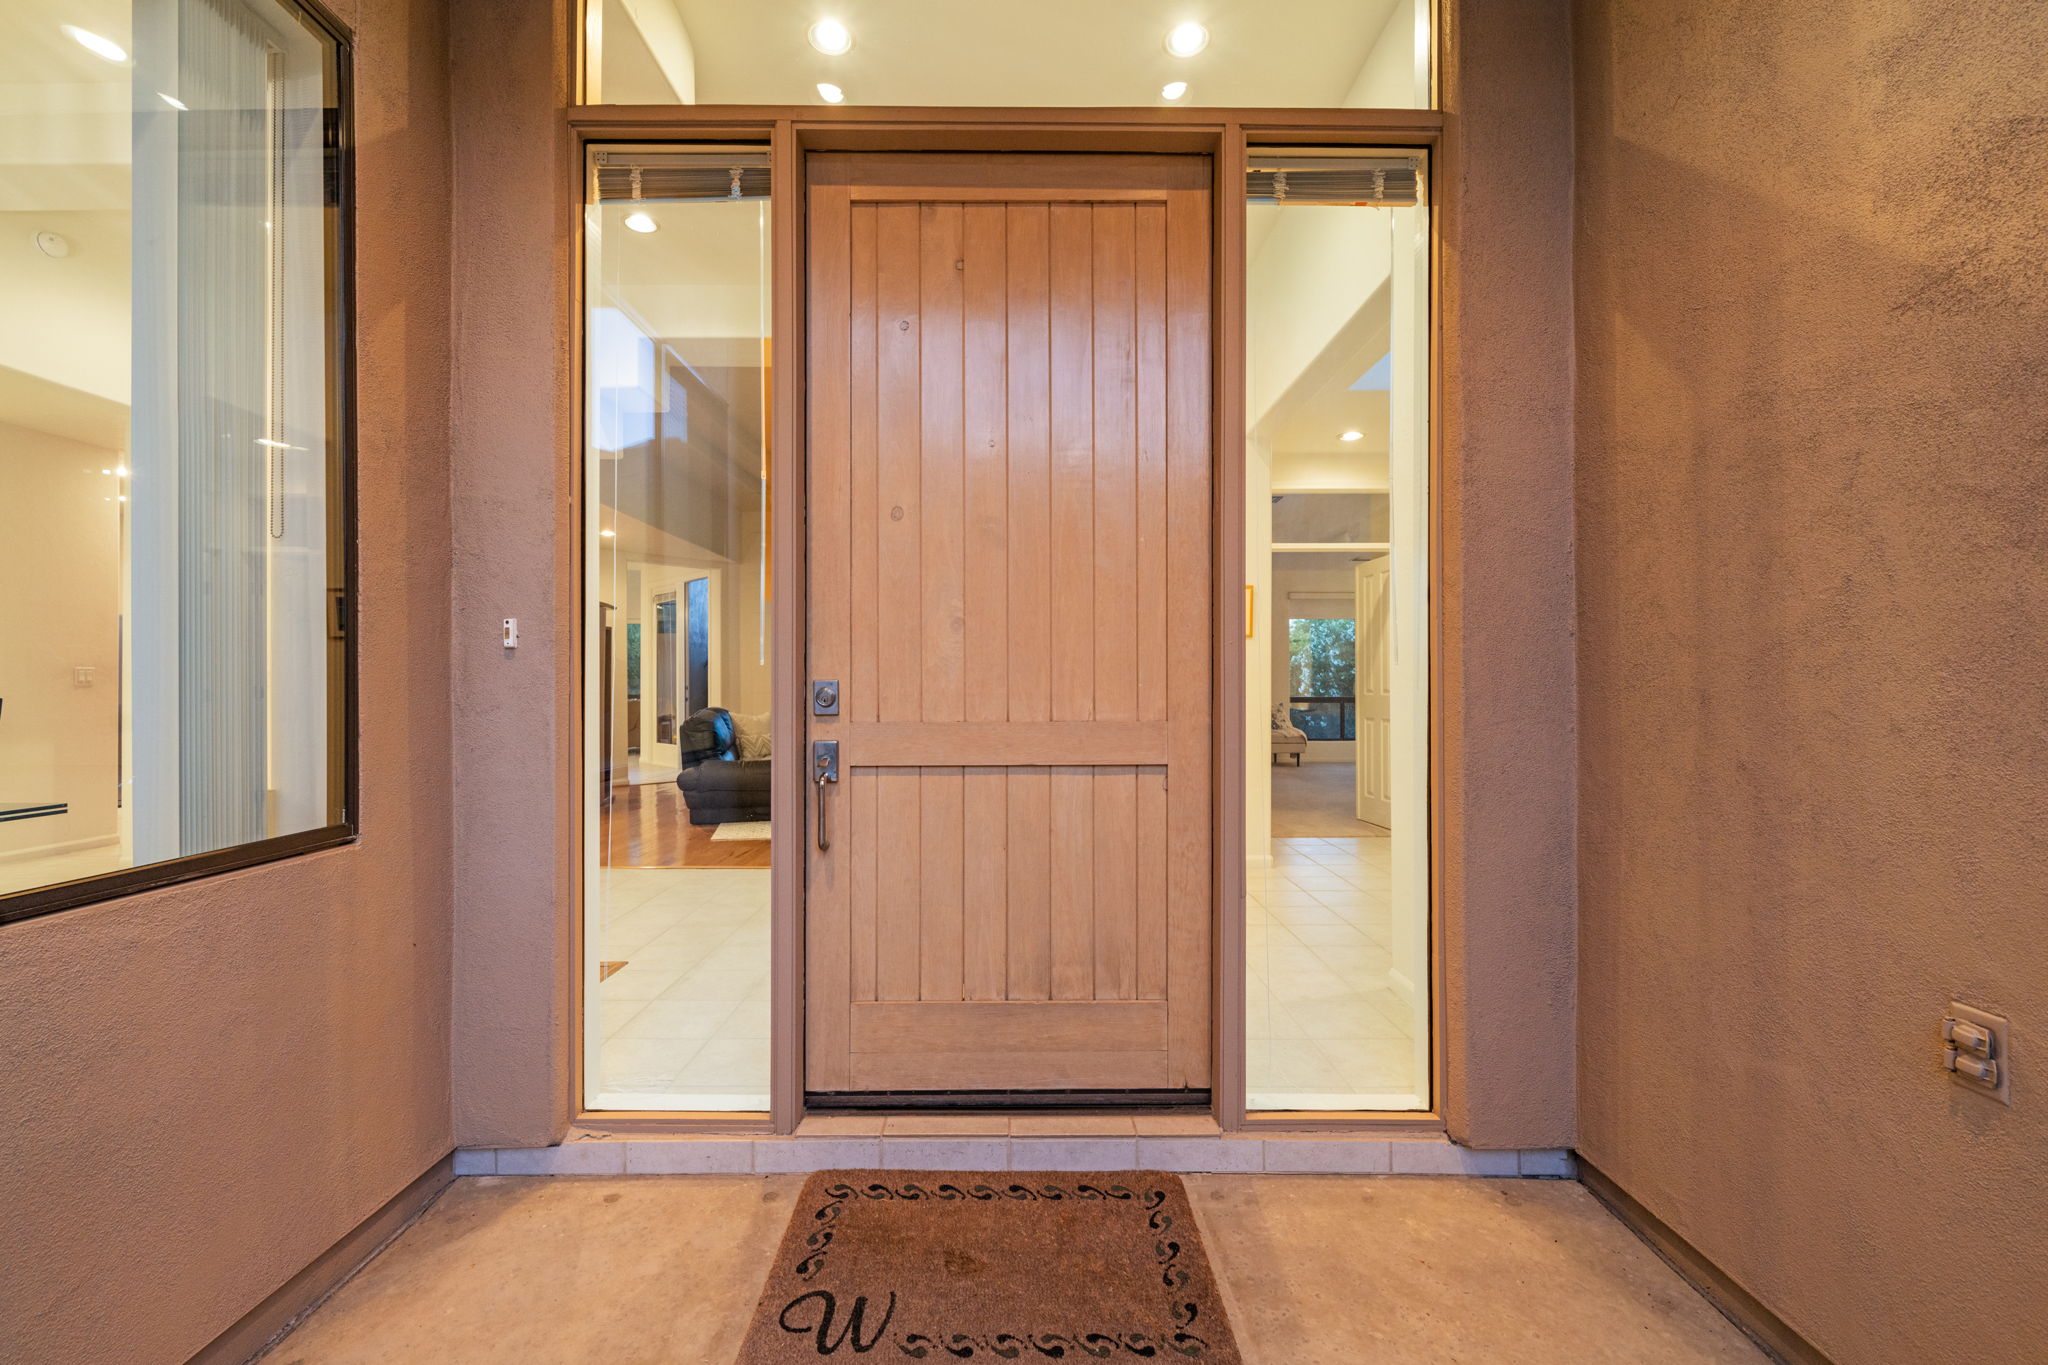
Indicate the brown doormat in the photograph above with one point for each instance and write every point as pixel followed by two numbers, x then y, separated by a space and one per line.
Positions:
pixel 950 1265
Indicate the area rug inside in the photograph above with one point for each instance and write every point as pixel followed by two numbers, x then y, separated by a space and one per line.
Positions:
pixel 746 831
pixel 1014 1265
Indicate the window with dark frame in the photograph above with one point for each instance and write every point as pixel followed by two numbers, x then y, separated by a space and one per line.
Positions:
pixel 176 691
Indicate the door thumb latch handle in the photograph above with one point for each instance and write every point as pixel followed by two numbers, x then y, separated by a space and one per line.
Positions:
pixel 824 769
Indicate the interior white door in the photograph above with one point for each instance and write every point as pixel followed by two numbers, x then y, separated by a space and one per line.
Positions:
pixel 679 666
pixel 1375 691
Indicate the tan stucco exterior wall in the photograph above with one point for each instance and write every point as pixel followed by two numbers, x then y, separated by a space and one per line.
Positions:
pixel 1812 327
pixel 205 1087
pixel 516 501
pixel 1505 677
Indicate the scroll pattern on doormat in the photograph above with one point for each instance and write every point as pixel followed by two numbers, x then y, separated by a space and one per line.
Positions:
pixel 965 1266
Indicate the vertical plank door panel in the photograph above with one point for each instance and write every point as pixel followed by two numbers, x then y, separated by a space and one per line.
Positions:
pixel 943 539
pixel 1073 463
pixel 985 340
pixel 1029 824
pixel 940 880
pixel 899 598
pixel 1114 439
pixel 1028 355
pixel 985 876
pixel 1010 497
pixel 860 696
pixel 1150 386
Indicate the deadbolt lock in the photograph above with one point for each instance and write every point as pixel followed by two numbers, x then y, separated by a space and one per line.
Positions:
pixel 825 697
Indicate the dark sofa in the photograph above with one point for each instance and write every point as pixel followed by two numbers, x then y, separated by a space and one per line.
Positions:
pixel 718 785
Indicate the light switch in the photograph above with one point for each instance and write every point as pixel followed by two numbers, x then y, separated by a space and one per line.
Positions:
pixel 1976 1051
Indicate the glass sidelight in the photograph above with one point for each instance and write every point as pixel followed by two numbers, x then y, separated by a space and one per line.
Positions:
pixel 678 465
pixel 1337 652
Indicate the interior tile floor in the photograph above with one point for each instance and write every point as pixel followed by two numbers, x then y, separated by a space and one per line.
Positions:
pixel 1325 1028
pixel 684 1024
pixel 1315 1270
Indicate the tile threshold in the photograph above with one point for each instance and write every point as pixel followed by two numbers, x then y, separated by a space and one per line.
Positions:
pixel 1294 1154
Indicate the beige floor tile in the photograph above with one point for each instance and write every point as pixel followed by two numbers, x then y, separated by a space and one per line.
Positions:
pixel 839 1125
pixel 1072 1125
pixel 1175 1125
pixel 946 1125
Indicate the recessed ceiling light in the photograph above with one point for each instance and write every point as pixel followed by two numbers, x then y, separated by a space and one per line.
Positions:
pixel 641 222
pixel 830 93
pixel 96 45
pixel 1185 40
pixel 1352 436
pixel 1173 90
pixel 177 104
pixel 607 533
pixel 830 37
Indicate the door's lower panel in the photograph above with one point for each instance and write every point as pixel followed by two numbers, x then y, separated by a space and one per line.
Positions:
pixel 1084 1045
pixel 1009 1026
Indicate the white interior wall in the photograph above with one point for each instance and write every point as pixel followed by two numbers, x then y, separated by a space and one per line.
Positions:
pixel 1313 271
pixel 60 555
pixel 1409 598
pixel 645 53
pixel 1258 679
pixel 1396 70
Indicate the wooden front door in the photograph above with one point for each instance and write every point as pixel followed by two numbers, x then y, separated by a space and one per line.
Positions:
pixel 1009 510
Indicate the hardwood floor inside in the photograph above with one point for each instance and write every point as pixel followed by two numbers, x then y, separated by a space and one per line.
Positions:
pixel 649 826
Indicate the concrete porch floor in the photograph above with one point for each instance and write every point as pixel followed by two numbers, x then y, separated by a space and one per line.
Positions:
pixel 1339 1269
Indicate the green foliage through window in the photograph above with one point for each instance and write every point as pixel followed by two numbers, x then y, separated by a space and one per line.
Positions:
pixel 1322 657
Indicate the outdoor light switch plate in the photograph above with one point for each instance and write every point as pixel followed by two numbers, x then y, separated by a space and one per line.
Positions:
pixel 2000 1029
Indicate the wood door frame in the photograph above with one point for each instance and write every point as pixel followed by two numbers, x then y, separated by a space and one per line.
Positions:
pixel 790 133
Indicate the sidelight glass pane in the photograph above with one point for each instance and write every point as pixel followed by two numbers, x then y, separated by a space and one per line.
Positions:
pixel 1336 670
pixel 678 462
pixel 1275 54
pixel 172 655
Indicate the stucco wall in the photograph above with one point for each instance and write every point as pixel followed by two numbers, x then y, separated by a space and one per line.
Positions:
pixel 515 501
pixel 205 1087
pixel 1505 662
pixel 1813 324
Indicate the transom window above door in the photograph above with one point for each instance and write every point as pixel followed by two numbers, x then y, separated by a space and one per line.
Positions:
pixel 1359 54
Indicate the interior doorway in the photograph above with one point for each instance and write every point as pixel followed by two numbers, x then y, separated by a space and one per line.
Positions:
pixel 1010 593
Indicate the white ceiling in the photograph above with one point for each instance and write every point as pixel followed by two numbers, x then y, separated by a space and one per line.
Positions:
pixel 65 124
pixel 1032 52
pixel 65 134
pixel 35 50
pixel 1304 429
pixel 698 275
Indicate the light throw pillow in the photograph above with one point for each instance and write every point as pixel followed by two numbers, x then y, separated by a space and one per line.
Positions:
pixel 753 734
